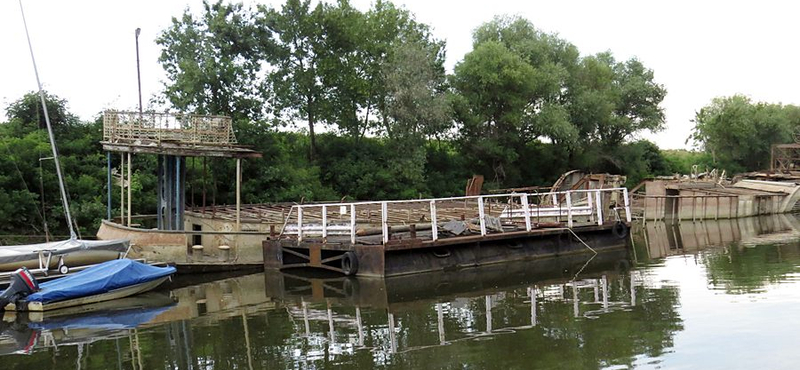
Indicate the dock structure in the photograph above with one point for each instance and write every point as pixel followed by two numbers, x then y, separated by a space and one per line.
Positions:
pixel 172 138
pixel 384 238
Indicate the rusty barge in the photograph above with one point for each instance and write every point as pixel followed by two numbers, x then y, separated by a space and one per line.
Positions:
pixel 399 237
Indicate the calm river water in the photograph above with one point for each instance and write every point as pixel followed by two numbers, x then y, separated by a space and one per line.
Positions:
pixel 705 295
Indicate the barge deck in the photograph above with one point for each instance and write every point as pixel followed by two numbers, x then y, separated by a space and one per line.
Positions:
pixel 401 237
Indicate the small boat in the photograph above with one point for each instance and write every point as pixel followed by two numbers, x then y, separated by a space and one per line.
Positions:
pixel 103 282
pixel 61 255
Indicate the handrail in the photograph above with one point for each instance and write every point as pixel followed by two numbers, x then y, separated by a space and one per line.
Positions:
pixel 579 202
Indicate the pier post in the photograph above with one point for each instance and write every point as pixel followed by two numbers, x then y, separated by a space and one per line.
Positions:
pixel 627 204
pixel 599 208
pixel 434 225
pixel 385 222
pixel 523 200
pixel 481 216
pixel 353 224
pixel 324 223
pixel 299 223
pixel 569 209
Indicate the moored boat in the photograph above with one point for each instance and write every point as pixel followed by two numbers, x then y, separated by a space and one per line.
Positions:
pixel 61 255
pixel 103 282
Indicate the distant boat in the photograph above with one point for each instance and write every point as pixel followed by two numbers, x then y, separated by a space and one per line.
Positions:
pixel 40 258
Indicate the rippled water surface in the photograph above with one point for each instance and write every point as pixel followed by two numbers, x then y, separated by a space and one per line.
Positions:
pixel 707 295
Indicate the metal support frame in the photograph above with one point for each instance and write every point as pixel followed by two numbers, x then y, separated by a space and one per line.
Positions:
pixel 108 186
pixel 238 194
pixel 129 188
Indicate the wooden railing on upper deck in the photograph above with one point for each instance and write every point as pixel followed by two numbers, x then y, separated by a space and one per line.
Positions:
pixel 153 127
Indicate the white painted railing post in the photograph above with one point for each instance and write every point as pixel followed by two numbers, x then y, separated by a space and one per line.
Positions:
pixel 385 222
pixel 599 208
pixel 434 224
pixel 628 204
pixel 353 224
pixel 299 223
pixel 324 222
pixel 589 202
pixel 523 200
pixel 569 208
pixel 481 216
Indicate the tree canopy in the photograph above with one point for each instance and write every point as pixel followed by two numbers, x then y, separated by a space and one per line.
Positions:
pixel 738 133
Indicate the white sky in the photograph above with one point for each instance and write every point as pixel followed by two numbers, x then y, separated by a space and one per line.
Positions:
pixel 699 50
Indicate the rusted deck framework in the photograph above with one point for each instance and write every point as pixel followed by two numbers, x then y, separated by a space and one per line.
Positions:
pixel 336 236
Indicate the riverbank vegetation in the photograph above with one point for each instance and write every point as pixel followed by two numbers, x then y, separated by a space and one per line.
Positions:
pixel 357 104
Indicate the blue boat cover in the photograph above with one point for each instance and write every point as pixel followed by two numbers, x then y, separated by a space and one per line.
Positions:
pixel 99 279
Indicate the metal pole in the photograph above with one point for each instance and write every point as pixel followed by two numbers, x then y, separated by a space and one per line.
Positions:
pixel 61 187
pixel 239 194
pixel 108 191
pixel 122 189
pixel 138 73
pixel 129 188
pixel 178 195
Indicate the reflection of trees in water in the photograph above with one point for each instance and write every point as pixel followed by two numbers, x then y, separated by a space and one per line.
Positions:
pixel 739 270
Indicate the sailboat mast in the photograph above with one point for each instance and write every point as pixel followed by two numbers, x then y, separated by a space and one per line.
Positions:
pixel 64 200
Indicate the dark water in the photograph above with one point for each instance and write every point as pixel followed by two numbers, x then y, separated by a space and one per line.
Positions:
pixel 712 295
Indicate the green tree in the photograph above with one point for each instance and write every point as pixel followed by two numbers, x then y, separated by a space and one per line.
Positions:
pixel 738 133
pixel 613 100
pixel 212 63
pixel 296 31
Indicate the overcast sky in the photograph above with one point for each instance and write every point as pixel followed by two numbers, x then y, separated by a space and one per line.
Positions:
pixel 699 50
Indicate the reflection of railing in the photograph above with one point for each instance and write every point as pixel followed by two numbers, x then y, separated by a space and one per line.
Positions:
pixel 152 127
pixel 527 210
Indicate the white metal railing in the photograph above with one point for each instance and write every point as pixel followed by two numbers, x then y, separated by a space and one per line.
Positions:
pixel 342 219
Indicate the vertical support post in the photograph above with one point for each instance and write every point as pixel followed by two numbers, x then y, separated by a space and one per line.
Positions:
pixel 160 192
pixel 589 202
pixel 299 223
pixel 353 224
pixel 108 191
pixel 569 208
pixel 599 208
pixel 178 195
pixel 385 222
pixel 434 224
pixel 627 204
pixel 481 216
pixel 523 200
pixel 129 188
pixel 324 222
pixel 122 189
pixel 239 195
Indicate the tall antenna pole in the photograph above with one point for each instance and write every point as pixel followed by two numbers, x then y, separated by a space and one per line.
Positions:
pixel 64 201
